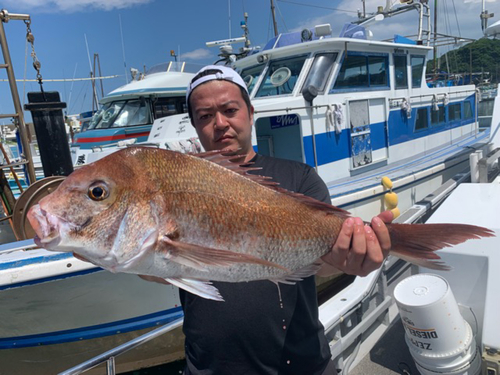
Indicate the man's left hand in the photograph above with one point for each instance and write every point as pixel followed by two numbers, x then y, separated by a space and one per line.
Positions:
pixel 359 249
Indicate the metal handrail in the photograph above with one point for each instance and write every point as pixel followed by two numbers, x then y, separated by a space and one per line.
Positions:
pixel 485 163
pixel 109 356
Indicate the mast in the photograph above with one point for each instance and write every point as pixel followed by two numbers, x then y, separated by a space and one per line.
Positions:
pixel 484 18
pixel 229 12
pixel 435 39
pixel 274 18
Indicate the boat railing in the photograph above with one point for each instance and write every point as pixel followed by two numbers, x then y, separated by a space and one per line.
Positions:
pixel 394 101
pixel 109 356
pixel 484 169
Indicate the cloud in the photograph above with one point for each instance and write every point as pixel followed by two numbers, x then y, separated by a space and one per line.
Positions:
pixel 75 5
pixel 197 54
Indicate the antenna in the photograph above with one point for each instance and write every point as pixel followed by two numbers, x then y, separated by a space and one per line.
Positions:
pixel 123 48
pixel 94 92
pixel 484 18
pixel 229 12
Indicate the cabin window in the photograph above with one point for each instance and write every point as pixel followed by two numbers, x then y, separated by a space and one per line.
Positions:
pixel 400 71
pixel 251 75
pixel 437 117
pixel 377 68
pixel 353 73
pixel 467 110
pixel 362 71
pixel 104 117
pixel 421 121
pixel 320 70
pixel 454 112
pixel 163 107
pixel 281 77
pixel 134 112
pixel 417 70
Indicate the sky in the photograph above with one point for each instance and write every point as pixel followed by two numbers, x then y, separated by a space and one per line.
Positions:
pixel 150 29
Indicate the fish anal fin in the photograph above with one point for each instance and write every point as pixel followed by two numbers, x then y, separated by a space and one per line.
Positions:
pixel 199 257
pixel 204 289
pixel 298 275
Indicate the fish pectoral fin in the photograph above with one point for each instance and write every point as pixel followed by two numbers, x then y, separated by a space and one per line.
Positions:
pixel 204 289
pixel 200 257
pixel 298 275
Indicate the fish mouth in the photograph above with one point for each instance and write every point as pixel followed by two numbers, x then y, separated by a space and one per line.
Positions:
pixel 47 243
pixel 46 227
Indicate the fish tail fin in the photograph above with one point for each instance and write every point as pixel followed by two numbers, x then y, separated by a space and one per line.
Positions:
pixel 417 243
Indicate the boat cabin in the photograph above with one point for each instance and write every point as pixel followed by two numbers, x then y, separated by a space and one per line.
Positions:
pixel 129 111
pixel 350 105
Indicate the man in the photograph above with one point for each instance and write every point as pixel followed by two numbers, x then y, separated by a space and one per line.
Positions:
pixel 260 328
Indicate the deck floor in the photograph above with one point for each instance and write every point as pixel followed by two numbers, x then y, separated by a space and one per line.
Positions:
pixel 389 356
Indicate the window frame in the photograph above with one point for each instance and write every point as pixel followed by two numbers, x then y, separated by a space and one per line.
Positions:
pixel 327 76
pixel 265 75
pixel 442 108
pixel 454 104
pixel 471 110
pixel 407 84
pixel 369 87
pixel 422 78
pixel 427 119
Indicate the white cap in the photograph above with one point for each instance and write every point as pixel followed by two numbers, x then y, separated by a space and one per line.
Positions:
pixel 213 72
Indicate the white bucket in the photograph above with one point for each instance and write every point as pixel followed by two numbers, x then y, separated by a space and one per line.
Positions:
pixel 439 338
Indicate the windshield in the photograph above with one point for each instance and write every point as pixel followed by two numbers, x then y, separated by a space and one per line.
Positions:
pixel 122 113
pixel 251 75
pixel 281 76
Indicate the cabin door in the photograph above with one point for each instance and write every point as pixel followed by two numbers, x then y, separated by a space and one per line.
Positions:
pixel 368 131
pixel 280 136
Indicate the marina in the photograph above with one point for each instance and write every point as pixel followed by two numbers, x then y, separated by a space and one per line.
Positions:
pixel 362 114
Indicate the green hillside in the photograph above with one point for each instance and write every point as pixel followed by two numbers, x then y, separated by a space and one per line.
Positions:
pixel 485 56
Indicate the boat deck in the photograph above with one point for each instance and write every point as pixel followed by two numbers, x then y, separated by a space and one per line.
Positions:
pixel 372 176
pixel 389 356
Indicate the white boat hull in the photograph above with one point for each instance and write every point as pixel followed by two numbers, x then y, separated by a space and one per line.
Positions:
pixel 77 312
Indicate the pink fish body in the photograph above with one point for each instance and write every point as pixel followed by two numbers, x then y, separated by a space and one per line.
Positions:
pixel 193 219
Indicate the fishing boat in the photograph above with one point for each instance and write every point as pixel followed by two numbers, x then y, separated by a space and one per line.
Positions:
pixel 128 112
pixel 355 109
pixel 359 110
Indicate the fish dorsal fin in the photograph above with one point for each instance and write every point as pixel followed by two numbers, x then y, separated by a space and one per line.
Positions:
pixel 236 164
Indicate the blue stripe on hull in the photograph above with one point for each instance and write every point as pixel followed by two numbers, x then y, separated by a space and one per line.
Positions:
pixel 52 278
pixel 332 147
pixel 34 260
pixel 92 332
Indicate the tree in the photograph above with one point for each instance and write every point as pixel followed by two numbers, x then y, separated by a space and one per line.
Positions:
pixel 485 58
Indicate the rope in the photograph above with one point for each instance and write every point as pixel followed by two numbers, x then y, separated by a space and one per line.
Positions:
pixel 63 79
pixel 25 69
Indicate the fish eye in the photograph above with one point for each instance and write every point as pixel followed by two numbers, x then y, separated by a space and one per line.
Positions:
pixel 98 192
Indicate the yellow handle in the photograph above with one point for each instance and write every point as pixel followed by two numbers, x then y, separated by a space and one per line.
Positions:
pixel 390 198
pixel 386 181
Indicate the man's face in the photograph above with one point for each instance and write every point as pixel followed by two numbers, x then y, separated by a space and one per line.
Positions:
pixel 221 117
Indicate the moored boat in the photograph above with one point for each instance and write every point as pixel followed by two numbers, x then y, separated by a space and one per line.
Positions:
pixel 128 112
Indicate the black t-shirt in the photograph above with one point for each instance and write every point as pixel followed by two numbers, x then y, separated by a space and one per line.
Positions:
pixel 254 332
